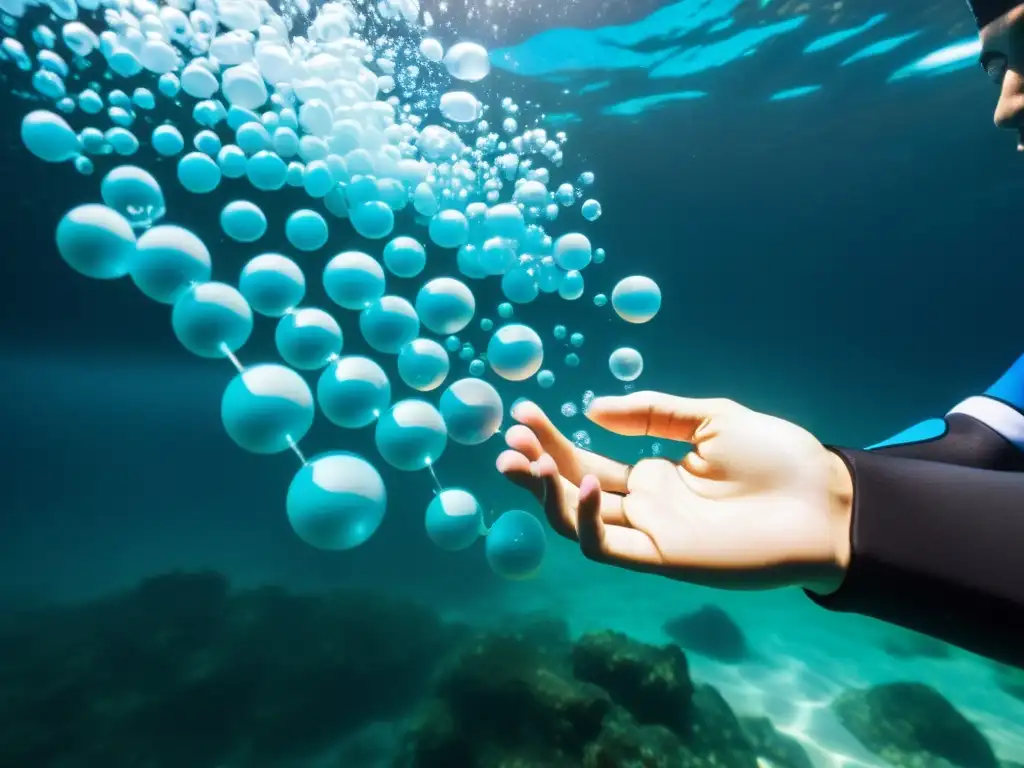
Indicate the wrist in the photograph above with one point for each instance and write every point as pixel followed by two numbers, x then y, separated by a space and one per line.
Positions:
pixel 840 520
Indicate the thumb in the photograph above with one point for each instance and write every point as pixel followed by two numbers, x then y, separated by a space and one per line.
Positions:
pixel 656 414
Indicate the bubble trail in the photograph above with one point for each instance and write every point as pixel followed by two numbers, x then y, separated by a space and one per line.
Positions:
pixel 232 357
pixel 433 474
pixel 296 450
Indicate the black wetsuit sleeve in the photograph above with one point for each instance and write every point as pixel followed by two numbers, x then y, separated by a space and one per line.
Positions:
pixel 939 549
pixel 966 442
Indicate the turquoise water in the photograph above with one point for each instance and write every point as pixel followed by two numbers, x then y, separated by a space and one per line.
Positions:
pixel 817 194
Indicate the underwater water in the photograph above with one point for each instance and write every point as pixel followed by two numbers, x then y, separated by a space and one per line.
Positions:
pixel 276 274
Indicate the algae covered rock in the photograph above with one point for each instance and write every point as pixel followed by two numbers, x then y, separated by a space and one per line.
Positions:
pixel 912 724
pixel 715 732
pixel 181 671
pixel 623 743
pixel 507 697
pixel 781 751
pixel 607 701
pixel 652 683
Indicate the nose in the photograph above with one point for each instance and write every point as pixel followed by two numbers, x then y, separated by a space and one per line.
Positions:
pixel 1010 109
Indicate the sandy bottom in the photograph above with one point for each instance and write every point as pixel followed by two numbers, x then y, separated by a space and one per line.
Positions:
pixel 807 655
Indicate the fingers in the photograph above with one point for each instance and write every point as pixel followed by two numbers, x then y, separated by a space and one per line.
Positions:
pixel 560 498
pixel 538 435
pixel 516 467
pixel 656 414
pixel 613 544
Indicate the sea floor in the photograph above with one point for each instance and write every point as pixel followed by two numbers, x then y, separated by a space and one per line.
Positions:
pixel 805 655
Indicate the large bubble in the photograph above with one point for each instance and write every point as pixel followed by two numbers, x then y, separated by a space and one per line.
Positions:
pixel 336 501
pixel 636 299
pixel 353 392
pixel 460 106
pixel 198 173
pixel 431 49
pixel 354 280
pixel 423 364
pixel 388 324
pixel 308 338
pixel 445 305
pixel 48 136
pixel 467 61
pixel 516 545
pixel 272 284
pixel 453 519
pixel 519 285
pixel 96 241
pixel 266 171
pixel 212 319
pixel 505 220
pixel 232 162
pixel 243 221
pixel 167 141
pixel 573 251
pixel 373 219
pixel 626 364
pixel 411 436
pixel 515 352
pixel 135 194
pixel 449 229
pixel 244 86
pixel 472 409
pixel 497 256
pixel 405 257
pixel 168 259
pixel 267 408
pixel 572 286
pixel 306 230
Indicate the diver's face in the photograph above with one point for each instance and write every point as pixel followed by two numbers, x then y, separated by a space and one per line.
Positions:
pixel 1002 56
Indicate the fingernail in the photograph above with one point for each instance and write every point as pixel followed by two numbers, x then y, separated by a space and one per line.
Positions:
pixel 518 407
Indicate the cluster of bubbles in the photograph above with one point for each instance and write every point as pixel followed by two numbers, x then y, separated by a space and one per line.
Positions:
pixel 332 113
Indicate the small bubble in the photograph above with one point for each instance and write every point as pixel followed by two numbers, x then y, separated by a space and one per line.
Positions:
pixel 581 439
pixel 588 398
pixel 569 410
pixel 656 449
pixel 629 388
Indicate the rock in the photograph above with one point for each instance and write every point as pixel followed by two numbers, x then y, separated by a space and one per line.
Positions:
pixel 912 724
pixel 781 751
pixel 606 701
pixel 181 671
pixel 503 699
pixel 714 731
pixel 623 743
pixel 711 632
pixel 910 645
pixel 653 684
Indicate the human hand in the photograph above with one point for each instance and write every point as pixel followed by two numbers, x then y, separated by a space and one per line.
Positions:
pixel 758 503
